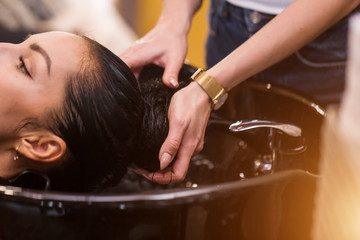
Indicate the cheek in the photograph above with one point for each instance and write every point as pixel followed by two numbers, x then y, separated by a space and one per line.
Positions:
pixel 14 108
pixel 15 98
pixel 10 117
pixel 9 97
pixel 11 106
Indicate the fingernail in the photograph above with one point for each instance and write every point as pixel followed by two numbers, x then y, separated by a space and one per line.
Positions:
pixel 173 82
pixel 165 160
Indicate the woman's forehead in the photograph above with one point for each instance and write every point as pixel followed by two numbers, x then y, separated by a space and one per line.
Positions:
pixel 64 50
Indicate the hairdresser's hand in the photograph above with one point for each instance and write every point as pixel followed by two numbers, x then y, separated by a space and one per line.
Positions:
pixel 165 46
pixel 188 115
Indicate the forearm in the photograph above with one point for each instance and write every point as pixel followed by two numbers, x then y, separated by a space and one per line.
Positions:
pixel 177 15
pixel 297 25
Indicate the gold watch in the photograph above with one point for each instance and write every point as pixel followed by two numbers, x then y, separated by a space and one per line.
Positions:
pixel 216 92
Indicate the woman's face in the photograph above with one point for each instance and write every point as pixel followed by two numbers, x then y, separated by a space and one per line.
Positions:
pixel 33 75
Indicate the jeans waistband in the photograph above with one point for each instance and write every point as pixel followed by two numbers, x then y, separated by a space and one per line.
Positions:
pixel 223 7
pixel 252 18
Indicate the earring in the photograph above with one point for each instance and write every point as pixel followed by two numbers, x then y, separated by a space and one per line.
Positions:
pixel 17 154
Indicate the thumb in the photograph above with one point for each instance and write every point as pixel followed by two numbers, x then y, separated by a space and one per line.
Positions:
pixel 137 56
pixel 168 151
pixel 135 62
pixel 171 145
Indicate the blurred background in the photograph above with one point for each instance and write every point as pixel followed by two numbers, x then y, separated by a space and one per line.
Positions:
pixel 114 23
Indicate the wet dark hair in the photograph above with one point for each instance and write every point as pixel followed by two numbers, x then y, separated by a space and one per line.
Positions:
pixel 109 120
pixel 156 97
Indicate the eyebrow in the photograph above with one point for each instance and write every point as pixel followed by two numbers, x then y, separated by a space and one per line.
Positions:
pixel 35 47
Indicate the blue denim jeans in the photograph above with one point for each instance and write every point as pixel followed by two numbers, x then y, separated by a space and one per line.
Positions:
pixel 316 70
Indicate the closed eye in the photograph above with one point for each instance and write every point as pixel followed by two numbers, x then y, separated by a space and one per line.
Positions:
pixel 22 66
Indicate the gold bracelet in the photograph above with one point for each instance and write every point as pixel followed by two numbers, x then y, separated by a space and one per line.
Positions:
pixel 214 90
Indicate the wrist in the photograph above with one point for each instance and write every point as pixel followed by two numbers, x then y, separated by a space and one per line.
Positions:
pixel 216 93
pixel 201 96
pixel 172 26
pixel 220 76
pixel 177 15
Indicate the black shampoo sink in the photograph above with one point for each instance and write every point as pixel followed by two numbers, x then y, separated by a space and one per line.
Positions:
pixel 257 183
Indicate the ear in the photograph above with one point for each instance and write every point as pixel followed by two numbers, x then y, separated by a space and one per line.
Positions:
pixel 42 145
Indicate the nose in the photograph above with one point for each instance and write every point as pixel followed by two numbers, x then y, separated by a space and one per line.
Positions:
pixel 7 50
pixel 2 44
pixel 7 46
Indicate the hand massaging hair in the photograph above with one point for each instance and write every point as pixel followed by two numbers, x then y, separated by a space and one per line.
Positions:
pixel 110 120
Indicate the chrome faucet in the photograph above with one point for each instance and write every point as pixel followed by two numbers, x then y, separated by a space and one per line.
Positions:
pixel 289 129
pixel 268 163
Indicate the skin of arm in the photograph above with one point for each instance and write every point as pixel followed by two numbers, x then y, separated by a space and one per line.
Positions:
pixel 298 24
